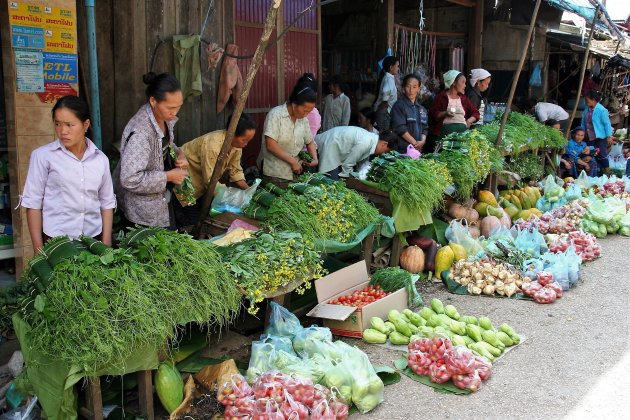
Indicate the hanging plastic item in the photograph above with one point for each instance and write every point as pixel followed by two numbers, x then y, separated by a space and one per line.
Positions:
pixel 535 80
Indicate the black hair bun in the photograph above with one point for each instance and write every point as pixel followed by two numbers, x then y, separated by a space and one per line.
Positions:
pixel 149 78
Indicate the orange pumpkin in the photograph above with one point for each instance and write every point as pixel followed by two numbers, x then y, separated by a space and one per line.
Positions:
pixel 412 259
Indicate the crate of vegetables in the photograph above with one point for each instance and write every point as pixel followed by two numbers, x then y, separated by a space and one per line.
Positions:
pixel 346 301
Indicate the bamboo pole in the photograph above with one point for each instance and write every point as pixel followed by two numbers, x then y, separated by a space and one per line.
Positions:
pixel 517 74
pixel 582 71
pixel 270 24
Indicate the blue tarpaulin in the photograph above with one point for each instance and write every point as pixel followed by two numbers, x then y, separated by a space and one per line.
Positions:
pixel 586 9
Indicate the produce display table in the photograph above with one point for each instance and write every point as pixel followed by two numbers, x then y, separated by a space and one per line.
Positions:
pixel 94 401
pixel 219 224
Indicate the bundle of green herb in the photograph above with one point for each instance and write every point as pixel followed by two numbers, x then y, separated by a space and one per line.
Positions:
pixel 100 305
pixel 392 279
pixel 527 165
pixel 324 212
pixel 461 170
pixel 271 261
pixel 185 192
pixel 418 183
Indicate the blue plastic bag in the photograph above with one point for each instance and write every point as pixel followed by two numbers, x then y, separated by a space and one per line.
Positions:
pixel 535 80
pixel 282 322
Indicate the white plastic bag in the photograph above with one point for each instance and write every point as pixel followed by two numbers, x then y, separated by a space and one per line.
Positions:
pixel 234 199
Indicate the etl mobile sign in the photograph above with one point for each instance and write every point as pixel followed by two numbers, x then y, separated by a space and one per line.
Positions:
pixel 59 67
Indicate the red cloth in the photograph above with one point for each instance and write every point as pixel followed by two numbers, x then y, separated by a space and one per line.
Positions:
pixel 440 103
pixel 589 84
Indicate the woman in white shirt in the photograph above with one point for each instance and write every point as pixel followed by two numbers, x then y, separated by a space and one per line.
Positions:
pixel 387 92
pixel 285 133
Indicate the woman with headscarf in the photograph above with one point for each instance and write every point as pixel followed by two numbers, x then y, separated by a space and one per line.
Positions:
pixel 452 111
pixel 479 83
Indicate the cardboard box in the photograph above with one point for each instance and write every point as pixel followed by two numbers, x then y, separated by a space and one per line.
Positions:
pixel 345 320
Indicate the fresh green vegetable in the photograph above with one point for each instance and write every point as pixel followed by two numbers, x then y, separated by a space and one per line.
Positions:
pixel 426 313
pixel 451 311
pixel 418 184
pixel 505 339
pixel 393 315
pixel 390 327
pixel 474 332
pixel 510 332
pixel 373 336
pixel 458 327
pixel 324 212
pixel 437 306
pixel 402 327
pixel 378 324
pixel 468 319
pixel 272 261
pixel 461 169
pixel 493 350
pixel 169 386
pixel 485 323
pixel 491 338
pixel 392 279
pixel 526 165
pixel 397 338
pixel 480 349
pixel 185 192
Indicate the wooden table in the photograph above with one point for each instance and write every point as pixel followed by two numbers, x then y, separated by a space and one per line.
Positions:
pixel 94 401
pixel 380 200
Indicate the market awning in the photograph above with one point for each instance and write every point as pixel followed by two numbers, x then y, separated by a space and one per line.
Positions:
pixel 603 48
pixel 586 9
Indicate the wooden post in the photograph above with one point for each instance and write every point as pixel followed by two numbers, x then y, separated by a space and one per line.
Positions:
pixel 582 71
pixel 517 74
pixel 270 23
pixel 476 36
pixel 145 393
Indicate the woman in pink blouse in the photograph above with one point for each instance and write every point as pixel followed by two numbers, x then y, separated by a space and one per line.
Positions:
pixel 68 188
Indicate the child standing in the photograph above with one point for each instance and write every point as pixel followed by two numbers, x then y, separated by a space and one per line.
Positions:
pixel 571 157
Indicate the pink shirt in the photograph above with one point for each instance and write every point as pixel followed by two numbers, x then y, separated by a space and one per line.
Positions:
pixel 70 192
pixel 314 121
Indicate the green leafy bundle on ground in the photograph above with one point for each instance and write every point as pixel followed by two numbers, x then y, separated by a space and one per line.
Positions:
pixel 98 306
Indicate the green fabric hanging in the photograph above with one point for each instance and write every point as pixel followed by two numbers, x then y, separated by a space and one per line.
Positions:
pixel 188 64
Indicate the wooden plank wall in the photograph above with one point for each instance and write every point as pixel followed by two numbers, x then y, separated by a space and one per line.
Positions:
pixel 128 32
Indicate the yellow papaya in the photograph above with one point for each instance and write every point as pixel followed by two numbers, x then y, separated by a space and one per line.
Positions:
pixel 524 214
pixel 444 260
pixel 458 251
pixel 487 197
